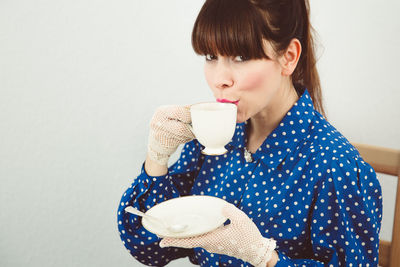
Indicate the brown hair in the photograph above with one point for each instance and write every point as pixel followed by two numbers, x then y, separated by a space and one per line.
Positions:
pixel 238 28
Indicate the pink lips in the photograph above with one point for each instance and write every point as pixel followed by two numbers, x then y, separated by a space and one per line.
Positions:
pixel 227 101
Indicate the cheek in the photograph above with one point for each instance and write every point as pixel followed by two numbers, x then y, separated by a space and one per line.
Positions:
pixel 208 75
pixel 254 81
pixel 256 87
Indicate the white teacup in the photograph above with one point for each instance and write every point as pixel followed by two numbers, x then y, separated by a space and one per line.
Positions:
pixel 214 125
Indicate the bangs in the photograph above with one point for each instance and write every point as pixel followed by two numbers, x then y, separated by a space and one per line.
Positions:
pixel 230 28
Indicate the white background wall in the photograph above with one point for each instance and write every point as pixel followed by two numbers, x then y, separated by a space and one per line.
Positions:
pixel 79 81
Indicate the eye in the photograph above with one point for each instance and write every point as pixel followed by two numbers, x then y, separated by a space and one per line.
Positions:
pixel 240 58
pixel 210 57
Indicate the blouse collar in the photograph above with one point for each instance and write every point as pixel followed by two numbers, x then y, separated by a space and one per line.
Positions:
pixel 293 128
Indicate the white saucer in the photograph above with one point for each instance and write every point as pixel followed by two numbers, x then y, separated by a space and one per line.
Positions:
pixel 201 214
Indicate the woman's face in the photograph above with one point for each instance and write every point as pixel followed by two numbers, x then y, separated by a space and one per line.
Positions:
pixel 251 84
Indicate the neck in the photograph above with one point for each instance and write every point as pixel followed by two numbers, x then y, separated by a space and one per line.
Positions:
pixel 264 122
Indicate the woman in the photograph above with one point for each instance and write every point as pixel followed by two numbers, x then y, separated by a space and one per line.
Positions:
pixel 300 193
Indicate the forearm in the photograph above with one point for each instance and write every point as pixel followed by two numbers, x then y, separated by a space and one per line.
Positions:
pixel 153 168
pixel 272 262
pixel 142 244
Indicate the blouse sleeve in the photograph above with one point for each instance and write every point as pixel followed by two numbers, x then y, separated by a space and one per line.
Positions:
pixel 147 191
pixel 346 217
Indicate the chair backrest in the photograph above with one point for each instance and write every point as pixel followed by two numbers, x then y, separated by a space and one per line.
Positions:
pixel 387 161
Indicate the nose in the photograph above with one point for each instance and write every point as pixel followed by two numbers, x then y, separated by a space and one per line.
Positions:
pixel 223 77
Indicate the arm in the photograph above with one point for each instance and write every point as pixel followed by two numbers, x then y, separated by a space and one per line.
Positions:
pixel 346 217
pixel 147 191
pixel 274 259
pixel 153 168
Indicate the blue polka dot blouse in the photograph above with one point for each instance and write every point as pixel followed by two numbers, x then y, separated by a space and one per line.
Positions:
pixel 306 186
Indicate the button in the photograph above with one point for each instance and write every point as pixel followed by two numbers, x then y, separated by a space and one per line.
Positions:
pixel 145 184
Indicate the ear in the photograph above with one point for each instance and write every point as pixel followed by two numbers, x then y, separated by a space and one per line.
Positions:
pixel 290 57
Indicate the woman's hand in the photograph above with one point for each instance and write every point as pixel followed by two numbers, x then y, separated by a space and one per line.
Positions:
pixel 169 128
pixel 240 239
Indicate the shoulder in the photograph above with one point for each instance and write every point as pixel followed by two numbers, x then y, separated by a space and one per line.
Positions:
pixel 325 140
pixel 330 153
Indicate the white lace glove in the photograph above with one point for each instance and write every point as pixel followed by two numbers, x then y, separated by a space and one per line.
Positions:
pixel 240 239
pixel 169 128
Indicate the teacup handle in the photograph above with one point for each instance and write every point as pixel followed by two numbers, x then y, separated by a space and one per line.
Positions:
pixel 189 125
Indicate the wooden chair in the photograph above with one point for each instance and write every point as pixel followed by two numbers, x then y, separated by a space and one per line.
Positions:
pixel 387 161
